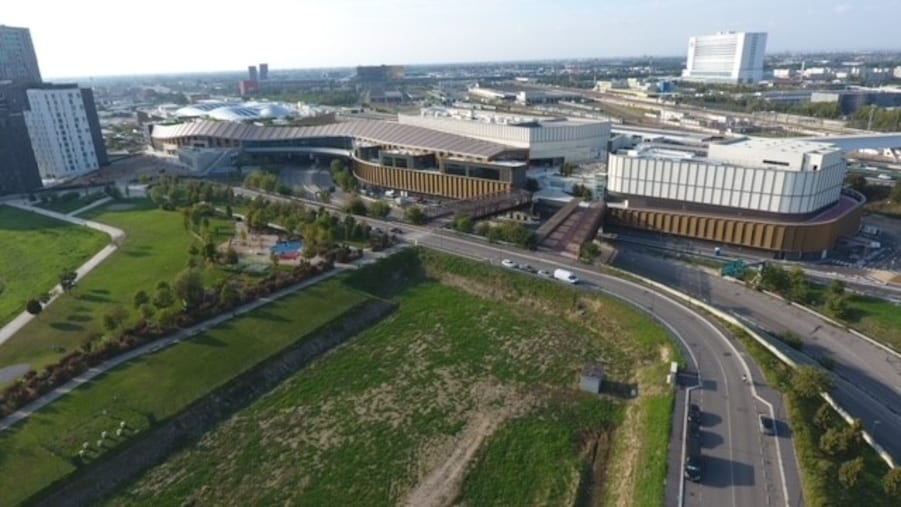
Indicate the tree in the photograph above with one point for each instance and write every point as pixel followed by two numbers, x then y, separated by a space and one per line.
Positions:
pixel 33 306
pixel 774 278
pixel 589 252
pixel 483 228
pixel 140 298
pixel 147 310
pixel 834 442
pixel 462 222
pixel 67 280
pixel 379 209
pixel 229 296
pixel 849 472
pixel 892 482
pixel 166 317
pixel 836 288
pixel 415 215
pixel 838 307
pixel 188 286
pixel 824 417
pixel 799 290
pixel 809 381
pixel 231 256
pixel 356 206
pixel 114 318
pixel 163 297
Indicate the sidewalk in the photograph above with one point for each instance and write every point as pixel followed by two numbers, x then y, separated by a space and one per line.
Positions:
pixel 116 236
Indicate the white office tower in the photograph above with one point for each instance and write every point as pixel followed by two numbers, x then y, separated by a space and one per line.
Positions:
pixel 60 133
pixel 727 57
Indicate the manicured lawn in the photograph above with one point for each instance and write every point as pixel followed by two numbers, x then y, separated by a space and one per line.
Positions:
pixel 155 249
pixel 70 205
pixel 376 420
pixel 877 318
pixel 34 250
pixel 154 387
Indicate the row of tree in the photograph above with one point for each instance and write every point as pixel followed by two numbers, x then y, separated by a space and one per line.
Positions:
pixel 171 192
pixel 792 284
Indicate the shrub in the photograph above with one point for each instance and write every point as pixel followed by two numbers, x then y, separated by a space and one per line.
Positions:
pixel 415 215
pixel 849 472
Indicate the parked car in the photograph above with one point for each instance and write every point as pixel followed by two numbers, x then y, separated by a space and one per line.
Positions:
pixel 543 273
pixel 565 276
pixel 526 267
pixel 507 263
pixel 397 230
pixel 694 412
pixel 767 427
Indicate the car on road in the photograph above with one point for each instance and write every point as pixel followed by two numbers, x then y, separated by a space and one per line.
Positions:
pixel 397 230
pixel 565 276
pixel 693 468
pixel 543 273
pixel 507 263
pixel 694 413
pixel 528 269
pixel 767 427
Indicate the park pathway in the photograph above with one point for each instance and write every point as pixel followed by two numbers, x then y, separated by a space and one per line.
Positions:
pixel 116 237
pixel 184 334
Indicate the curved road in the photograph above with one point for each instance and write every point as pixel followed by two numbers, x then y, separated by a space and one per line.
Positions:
pixel 741 467
pixel 868 377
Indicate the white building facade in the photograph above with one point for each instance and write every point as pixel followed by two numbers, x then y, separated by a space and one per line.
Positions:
pixel 727 57
pixel 771 176
pixel 60 133
pixel 558 139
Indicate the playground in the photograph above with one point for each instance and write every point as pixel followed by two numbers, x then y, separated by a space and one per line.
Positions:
pixel 258 248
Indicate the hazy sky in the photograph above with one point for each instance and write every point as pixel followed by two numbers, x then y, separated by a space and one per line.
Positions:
pixel 75 38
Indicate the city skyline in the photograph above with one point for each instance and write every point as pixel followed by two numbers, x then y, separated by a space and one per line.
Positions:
pixel 354 32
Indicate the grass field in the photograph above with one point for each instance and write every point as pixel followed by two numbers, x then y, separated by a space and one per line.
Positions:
pixel 34 250
pixel 154 387
pixel 877 318
pixel 155 249
pixel 467 393
pixel 819 471
pixel 70 205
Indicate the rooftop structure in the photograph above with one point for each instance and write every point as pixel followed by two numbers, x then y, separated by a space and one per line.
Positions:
pixel 726 57
pixel 554 139
pixel 231 111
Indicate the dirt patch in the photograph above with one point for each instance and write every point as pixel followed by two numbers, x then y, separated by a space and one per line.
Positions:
pixel 120 206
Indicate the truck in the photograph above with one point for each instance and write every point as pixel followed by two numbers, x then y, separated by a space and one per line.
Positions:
pixel 565 276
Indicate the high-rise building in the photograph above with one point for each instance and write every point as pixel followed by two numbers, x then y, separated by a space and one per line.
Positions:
pixel 252 72
pixel 18 169
pixel 64 131
pixel 727 57
pixel 18 62
pixel 264 71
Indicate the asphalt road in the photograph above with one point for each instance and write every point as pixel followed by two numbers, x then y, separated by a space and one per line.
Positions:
pixel 868 377
pixel 741 467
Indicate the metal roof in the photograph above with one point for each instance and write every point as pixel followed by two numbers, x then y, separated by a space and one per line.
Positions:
pixel 374 131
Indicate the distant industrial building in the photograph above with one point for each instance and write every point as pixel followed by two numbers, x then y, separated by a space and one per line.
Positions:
pixel 727 57
pixel 18 62
pixel 850 101
pixel 785 196
pixel 252 73
pixel 264 71
pixel 64 131
pixel 548 140
pixel 380 73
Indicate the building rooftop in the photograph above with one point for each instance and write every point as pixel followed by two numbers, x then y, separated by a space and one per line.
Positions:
pixel 370 131
pixel 788 145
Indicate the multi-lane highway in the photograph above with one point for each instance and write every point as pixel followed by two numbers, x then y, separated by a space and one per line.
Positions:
pixel 868 377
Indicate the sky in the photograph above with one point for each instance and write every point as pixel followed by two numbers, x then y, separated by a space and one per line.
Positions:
pixel 105 37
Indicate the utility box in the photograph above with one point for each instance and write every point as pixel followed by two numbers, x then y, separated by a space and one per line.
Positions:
pixel 592 378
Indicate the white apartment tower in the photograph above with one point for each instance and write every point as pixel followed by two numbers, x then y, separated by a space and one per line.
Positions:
pixel 727 57
pixel 60 133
